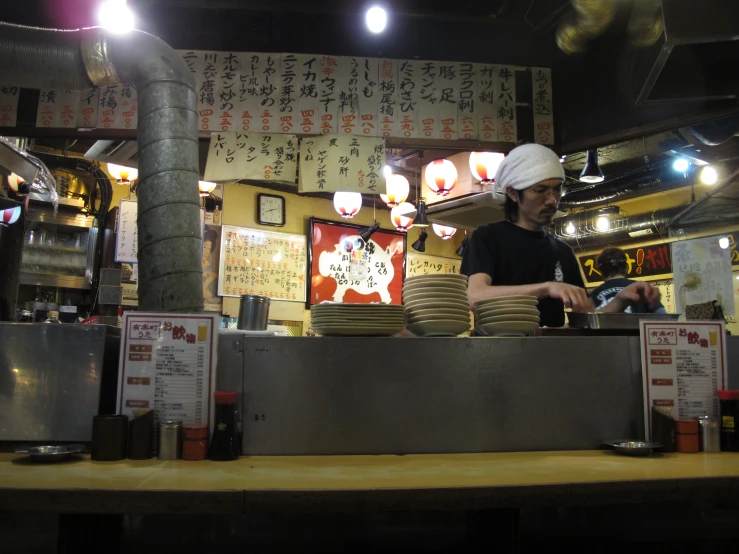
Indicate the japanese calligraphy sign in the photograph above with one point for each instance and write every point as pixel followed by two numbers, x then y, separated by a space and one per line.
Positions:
pixel 8 105
pixel 345 268
pixel 126 116
pixel 388 115
pixel 419 264
pixel 702 273
pixel 409 93
pixel 542 97
pixel 342 163
pixel 487 100
pixel 506 103
pixel 683 363
pixel 467 113
pixel 255 156
pixel 57 108
pixel 308 84
pixel 167 364
pixel 228 93
pixel 127 235
pixel 87 113
pixel 642 262
pixel 266 263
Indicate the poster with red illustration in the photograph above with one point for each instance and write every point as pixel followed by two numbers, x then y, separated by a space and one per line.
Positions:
pixel 345 268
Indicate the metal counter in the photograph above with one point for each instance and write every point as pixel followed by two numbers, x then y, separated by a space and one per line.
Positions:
pixel 304 396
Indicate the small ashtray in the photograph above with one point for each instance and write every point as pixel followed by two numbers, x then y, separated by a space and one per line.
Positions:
pixel 47 454
pixel 636 448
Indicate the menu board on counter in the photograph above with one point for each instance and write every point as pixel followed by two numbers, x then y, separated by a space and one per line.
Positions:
pixel 419 264
pixel 168 364
pixel 345 268
pixel 265 263
pixel 683 363
pixel 702 272
pixel 342 163
pixel 256 156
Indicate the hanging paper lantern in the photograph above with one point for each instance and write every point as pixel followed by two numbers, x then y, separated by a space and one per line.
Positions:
pixel 17 184
pixel 123 174
pixel 483 165
pixel 397 190
pixel 444 231
pixel 402 223
pixel 347 203
pixel 441 176
pixel 205 188
pixel 10 216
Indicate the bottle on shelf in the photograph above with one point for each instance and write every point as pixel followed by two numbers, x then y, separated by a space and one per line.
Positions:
pixel 224 444
pixel 53 317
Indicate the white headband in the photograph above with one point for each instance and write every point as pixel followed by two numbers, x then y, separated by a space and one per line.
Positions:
pixel 527 165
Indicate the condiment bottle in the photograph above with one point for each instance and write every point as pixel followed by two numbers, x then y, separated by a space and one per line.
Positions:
pixel 729 404
pixel 224 444
pixel 194 442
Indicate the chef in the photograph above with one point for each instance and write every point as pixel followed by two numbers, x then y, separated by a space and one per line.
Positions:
pixel 518 257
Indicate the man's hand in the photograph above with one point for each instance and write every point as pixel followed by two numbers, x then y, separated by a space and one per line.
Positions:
pixel 572 296
pixel 638 293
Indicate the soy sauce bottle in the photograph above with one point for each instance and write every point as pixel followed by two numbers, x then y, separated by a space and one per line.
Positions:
pixel 225 445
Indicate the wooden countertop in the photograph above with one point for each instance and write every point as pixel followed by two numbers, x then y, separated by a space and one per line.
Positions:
pixel 352 483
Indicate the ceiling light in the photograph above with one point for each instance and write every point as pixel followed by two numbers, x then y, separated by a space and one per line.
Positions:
pixel 420 220
pixel 441 176
pixel 205 188
pixel 681 165
pixel 570 228
pixel 444 231
pixel 709 175
pixel 402 222
pixel 347 204
pixel 602 224
pixel 591 173
pixel 366 234
pixel 484 165
pixel 420 244
pixel 123 174
pixel 376 19
pixel 463 246
pixel 115 16
pixel 397 188
pixel 723 242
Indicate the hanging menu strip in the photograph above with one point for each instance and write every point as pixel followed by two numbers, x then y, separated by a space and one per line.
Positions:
pixel 255 156
pixel 8 105
pixel 265 263
pixel 683 363
pixel 127 235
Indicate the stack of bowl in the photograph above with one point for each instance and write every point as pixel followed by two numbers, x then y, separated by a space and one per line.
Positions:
pixel 356 320
pixel 436 305
pixel 507 316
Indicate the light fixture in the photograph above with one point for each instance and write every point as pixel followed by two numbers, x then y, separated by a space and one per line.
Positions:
pixel 602 224
pixel 681 165
pixel 347 204
pixel 723 242
pixel 483 165
pixel 205 188
pixel 9 216
pixel 367 233
pixel 441 176
pixel 386 171
pixel 420 220
pixel 397 188
pixel 444 231
pixel 18 184
pixel 463 246
pixel 420 244
pixel 115 16
pixel 124 175
pixel 709 175
pixel 591 173
pixel 376 19
pixel 570 228
pixel 402 223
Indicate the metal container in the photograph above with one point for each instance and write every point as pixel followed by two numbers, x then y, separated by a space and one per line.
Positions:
pixel 593 320
pixel 253 313
pixel 170 440
pixel 710 434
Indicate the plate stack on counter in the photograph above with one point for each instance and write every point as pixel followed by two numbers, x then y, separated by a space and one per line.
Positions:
pixel 507 316
pixel 436 305
pixel 356 320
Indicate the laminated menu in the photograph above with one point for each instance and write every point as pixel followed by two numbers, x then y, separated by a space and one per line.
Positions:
pixel 167 364
pixel 683 364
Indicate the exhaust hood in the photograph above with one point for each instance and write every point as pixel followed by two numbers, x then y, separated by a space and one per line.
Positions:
pixel 468 211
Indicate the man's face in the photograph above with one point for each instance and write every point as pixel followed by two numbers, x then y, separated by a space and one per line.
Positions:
pixel 538 203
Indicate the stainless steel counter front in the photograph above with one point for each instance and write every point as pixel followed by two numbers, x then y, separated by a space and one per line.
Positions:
pixel 312 396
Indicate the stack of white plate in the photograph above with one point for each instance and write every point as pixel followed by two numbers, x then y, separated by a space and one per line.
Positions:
pixel 507 315
pixel 436 305
pixel 356 320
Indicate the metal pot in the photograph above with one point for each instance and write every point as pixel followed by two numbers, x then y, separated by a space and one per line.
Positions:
pixel 253 313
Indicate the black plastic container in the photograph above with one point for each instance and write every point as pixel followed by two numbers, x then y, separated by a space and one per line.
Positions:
pixel 224 445
pixel 729 403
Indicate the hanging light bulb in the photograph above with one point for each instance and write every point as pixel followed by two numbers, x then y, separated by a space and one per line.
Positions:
pixel 602 224
pixel 444 231
pixel 205 188
pixel 347 204
pixel 115 16
pixel 570 228
pixel 402 223
pixel 483 165
pixel 591 173
pixel 123 174
pixel 709 175
pixel 441 176
pixel 397 188
pixel 10 216
pixel 420 244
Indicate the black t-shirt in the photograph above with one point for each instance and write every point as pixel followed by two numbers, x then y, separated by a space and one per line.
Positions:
pixel 603 295
pixel 513 256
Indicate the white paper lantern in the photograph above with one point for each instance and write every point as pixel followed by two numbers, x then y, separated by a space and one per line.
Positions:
pixel 10 216
pixel 347 204
pixel 444 231
pixel 402 222
pixel 205 188
pixel 441 176
pixel 397 188
pixel 123 174
pixel 483 165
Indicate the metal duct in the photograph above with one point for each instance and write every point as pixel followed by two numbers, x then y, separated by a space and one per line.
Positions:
pixel 589 20
pixel 170 245
pixel 714 133
pixel 650 223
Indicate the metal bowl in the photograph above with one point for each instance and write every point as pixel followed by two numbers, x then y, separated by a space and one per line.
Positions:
pixel 636 448
pixel 51 453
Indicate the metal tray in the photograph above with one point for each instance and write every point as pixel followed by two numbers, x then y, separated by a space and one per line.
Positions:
pixel 593 320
